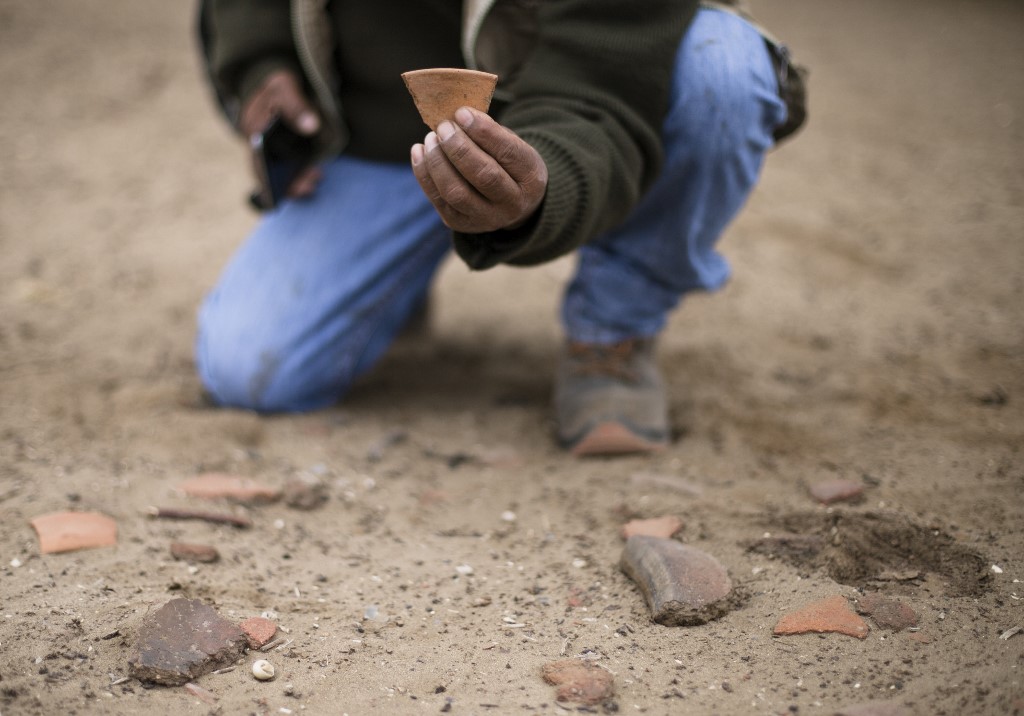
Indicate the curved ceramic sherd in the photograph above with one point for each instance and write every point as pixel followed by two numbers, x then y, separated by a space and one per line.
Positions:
pixel 439 92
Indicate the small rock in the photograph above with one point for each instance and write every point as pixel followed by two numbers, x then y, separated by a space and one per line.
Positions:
pixel 213 485
pixel 578 681
pixel 919 637
pixel 828 615
pixel 194 552
pixel 683 586
pixel 183 640
pixel 305 492
pixel 829 491
pixel 258 631
pixel 664 527
pixel 67 531
pixel 887 613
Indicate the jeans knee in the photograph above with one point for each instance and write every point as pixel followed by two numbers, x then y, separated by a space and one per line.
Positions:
pixel 245 373
pixel 725 94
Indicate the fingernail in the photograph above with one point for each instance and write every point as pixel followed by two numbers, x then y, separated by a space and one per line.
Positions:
pixel 464 117
pixel 445 130
pixel 417 154
pixel 308 122
pixel 430 142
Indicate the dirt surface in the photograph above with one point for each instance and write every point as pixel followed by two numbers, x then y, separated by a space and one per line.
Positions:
pixel 873 331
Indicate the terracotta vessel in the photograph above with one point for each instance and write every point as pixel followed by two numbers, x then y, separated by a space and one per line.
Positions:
pixel 439 92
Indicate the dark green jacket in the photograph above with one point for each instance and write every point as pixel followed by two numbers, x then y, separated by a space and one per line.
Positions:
pixel 585 82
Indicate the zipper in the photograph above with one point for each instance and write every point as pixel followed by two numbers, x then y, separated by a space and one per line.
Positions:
pixel 315 75
pixel 472 21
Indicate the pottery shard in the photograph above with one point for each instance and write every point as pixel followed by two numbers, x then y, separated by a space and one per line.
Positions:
pixel 887 613
pixel 233 487
pixel 183 640
pixel 258 631
pixel 67 531
pixel 828 615
pixel 683 586
pixel 582 682
pixel 829 491
pixel 439 92
pixel 663 527
pixel 194 552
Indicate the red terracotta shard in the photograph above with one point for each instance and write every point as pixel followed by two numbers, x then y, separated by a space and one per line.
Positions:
pixel 439 92
pixel 831 615
pixel 582 682
pixel 213 485
pixel 258 631
pixel 188 552
pixel 183 640
pixel 664 527
pixel 829 491
pixel 887 613
pixel 68 531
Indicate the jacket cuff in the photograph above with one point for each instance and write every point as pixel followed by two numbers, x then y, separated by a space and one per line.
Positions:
pixel 555 228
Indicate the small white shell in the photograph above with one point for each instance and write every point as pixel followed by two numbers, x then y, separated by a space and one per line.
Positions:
pixel 263 670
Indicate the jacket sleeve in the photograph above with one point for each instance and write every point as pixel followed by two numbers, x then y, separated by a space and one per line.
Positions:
pixel 244 41
pixel 591 99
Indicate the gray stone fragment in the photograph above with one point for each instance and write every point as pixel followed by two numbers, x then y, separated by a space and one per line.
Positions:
pixel 683 586
pixel 183 640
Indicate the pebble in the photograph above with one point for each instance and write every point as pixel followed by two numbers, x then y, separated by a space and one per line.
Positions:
pixel 666 526
pixel 582 682
pixel 838 490
pixel 194 552
pixel 828 615
pixel 305 491
pixel 464 569
pixel 67 531
pixel 183 640
pixel 887 613
pixel 258 631
pixel 213 485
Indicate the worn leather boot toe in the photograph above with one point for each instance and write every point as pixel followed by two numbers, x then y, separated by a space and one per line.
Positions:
pixel 610 399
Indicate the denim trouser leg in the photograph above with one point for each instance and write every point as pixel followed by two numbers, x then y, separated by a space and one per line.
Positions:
pixel 320 289
pixel 724 107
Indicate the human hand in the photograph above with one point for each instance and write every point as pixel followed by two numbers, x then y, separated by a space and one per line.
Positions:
pixel 479 175
pixel 281 94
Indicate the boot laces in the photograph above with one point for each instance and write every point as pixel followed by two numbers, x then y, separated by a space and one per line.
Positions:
pixel 611 360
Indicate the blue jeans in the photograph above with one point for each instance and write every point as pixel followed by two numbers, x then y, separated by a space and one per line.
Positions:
pixel 320 289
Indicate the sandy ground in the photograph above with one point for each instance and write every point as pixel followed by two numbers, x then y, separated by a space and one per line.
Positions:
pixel 873 331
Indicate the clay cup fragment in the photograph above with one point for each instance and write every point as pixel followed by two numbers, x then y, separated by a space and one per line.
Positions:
pixel 439 92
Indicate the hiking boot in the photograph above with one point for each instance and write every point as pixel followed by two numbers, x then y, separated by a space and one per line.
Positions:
pixel 610 400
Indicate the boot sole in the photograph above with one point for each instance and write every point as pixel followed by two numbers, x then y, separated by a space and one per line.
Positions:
pixel 611 438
